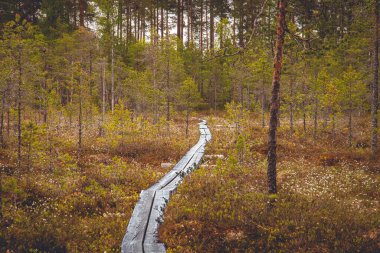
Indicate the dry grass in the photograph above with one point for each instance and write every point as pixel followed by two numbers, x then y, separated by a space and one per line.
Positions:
pixel 328 199
pixel 65 204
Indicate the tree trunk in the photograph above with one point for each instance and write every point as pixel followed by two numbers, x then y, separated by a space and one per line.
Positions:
pixel 103 94
pixel 167 23
pixel 333 125
pixel 179 19
pixel 262 110
pixel 241 32
pixel 138 26
pixel 2 143
pixel 168 108
pixel 212 25
pixel 202 88
pixel 120 21
pixel 188 28
pixel 187 121
pixel 262 104
pixel 112 80
pixel 207 30
pixel 162 22
pixel 315 119
pixel 375 85
pixel 275 102
pixel 156 108
pixel 75 13
pixel 304 108
pixel 234 31
pixel 182 20
pixel 135 24
pixel 82 8
pixel 350 117
pixel 143 25
pixel 316 105
pixel 291 107
pixel 127 27
pixel 46 98
pixel 19 111
pixel 215 96
pixel 80 117
pixel 168 88
pixel 8 123
pixel 1 193
pixel 201 29
pixel 190 24
pixel 91 85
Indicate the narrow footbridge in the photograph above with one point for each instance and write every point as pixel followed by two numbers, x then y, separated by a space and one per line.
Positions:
pixel 141 235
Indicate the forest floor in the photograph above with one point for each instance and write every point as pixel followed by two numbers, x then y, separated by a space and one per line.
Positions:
pixel 328 196
pixel 83 205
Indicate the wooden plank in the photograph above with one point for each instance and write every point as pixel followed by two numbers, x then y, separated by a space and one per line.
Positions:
pixel 141 235
pixel 132 241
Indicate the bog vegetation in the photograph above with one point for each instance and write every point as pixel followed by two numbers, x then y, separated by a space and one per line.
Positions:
pixel 96 94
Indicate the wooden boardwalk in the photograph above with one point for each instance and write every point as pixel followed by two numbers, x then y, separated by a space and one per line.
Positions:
pixel 141 235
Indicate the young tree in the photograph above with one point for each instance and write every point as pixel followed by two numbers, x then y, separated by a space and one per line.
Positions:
pixel 319 89
pixel 21 40
pixel 188 98
pixel 353 90
pixel 171 71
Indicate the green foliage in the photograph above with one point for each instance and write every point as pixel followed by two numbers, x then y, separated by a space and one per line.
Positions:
pixel 237 116
pixel 188 95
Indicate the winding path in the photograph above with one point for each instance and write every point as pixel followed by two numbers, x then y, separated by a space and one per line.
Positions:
pixel 141 235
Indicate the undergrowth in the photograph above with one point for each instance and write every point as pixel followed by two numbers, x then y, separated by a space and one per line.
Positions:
pixel 328 198
pixel 58 202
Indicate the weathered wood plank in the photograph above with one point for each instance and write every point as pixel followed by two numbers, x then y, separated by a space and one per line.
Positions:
pixel 141 235
pixel 134 237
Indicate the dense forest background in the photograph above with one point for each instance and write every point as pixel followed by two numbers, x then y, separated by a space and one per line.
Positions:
pixel 80 79
pixel 86 57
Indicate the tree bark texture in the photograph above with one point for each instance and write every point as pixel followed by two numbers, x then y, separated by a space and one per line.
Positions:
pixel 275 102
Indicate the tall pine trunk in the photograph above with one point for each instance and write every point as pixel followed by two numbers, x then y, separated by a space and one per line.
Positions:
pixel 375 85
pixel 179 22
pixel 206 28
pixel 275 102
pixel 201 29
pixel 182 20
pixel 212 25
pixel 82 8
pixel 162 22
